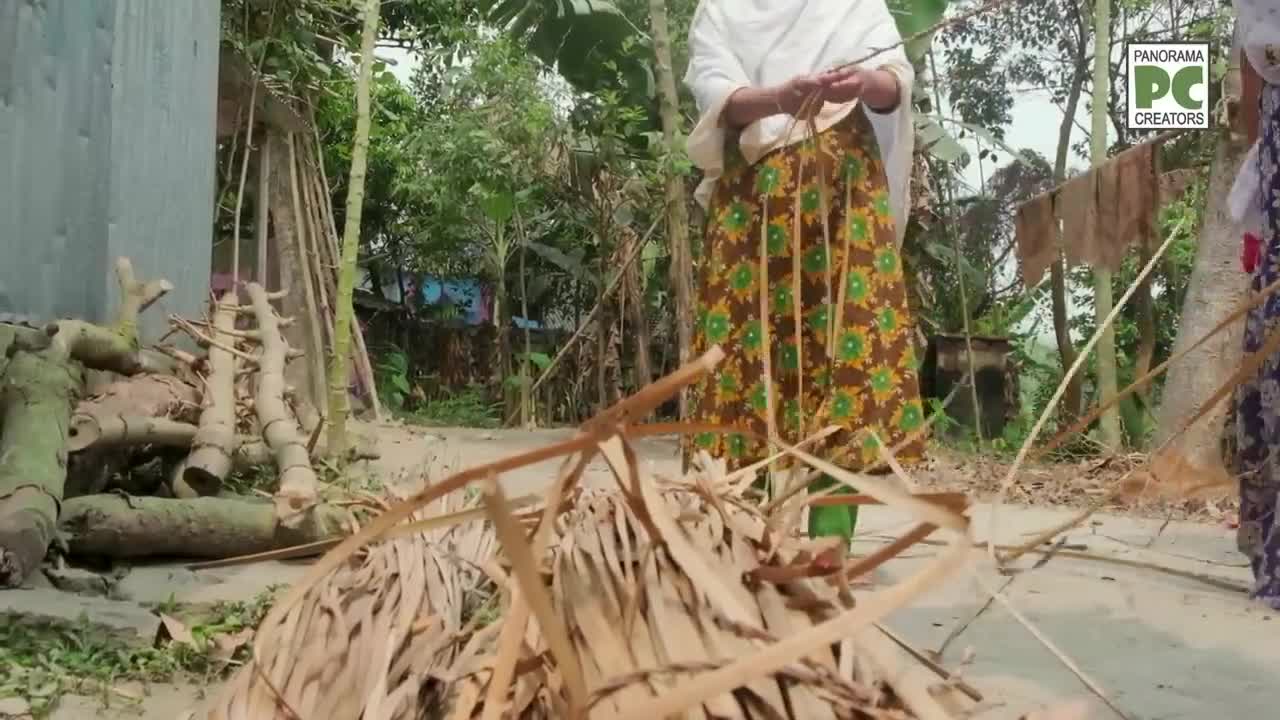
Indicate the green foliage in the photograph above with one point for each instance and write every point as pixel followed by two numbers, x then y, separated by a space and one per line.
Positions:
pixel 589 42
pixel 392 375
pixel 467 407
pixel 914 17
pixel 41 660
pixel 252 480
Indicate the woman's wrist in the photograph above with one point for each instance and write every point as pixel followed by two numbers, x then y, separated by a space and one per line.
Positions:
pixel 883 93
pixel 748 105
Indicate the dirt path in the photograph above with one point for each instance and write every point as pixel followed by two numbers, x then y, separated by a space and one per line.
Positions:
pixel 1162 646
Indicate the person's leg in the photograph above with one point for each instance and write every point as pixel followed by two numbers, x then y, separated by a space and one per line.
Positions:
pixel 832 520
pixel 1257 429
pixel 728 316
pixel 868 386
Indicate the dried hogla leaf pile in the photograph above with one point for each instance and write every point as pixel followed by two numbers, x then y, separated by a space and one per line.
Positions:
pixel 377 638
pixel 652 599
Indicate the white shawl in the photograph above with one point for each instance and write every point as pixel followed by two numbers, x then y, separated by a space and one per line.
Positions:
pixel 1258 22
pixel 735 44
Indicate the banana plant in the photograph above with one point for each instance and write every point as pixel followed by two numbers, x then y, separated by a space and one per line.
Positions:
pixel 588 41
pixel 914 17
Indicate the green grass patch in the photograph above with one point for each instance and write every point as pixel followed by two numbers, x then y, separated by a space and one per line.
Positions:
pixel 460 408
pixel 42 660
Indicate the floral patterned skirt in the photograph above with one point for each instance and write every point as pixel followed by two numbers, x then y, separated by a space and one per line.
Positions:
pixel 831 338
pixel 1258 400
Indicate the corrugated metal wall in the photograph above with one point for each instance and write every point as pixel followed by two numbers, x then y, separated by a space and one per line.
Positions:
pixel 107 115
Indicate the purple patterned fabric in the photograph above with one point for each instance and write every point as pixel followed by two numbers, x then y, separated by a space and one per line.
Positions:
pixel 1258 409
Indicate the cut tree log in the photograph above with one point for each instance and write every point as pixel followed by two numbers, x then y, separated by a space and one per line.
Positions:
pixel 114 348
pixel 298 485
pixel 112 418
pixel 134 527
pixel 215 442
pixel 253 453
pixel 39 389
pixel 152 396
pixel 38 392
pixel 118 431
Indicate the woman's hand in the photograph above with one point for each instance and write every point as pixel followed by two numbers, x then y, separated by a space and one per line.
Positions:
pixel 877 88
pixel 791 96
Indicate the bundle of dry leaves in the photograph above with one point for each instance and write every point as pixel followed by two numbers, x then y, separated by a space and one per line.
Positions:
pixel 655 598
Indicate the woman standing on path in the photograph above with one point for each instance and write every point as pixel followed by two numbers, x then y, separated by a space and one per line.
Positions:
pixel 1258 409
pixel 821 336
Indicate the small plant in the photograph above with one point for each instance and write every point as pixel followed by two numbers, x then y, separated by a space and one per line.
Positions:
pixel 462 408
pixel 42 660
pixel 249 480
pixel 393 378
pixel 943 424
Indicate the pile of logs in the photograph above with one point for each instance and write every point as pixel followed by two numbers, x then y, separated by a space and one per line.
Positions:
pixel 111 450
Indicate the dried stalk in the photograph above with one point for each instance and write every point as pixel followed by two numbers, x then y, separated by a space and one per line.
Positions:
pixel 1011 476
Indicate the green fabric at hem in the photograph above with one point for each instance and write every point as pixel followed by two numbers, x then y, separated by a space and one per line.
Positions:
pixel 829 521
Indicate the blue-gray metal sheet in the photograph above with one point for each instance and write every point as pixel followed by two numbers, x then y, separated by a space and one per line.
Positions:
pixel 107 132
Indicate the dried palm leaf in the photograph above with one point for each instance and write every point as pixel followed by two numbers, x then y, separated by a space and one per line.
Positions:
pixel 681 600
pixel 644 601
pixel 377 638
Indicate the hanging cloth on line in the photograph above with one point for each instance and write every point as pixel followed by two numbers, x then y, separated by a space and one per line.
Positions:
pixel 1035 230
pixel 1102 213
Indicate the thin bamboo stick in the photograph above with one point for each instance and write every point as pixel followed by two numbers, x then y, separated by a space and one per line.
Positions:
pixel 364 368
pixel 315 263
pixel 261 220
pixel 316 347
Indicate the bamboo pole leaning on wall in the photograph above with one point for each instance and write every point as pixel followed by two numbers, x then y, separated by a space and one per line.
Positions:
pixel 317 247
pixel 315 349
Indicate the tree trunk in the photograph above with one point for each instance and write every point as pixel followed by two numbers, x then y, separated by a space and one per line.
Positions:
pixel 1071 400
pixel 1109 426
pixel 677 210
pixel 635 308
pixel 339 375
pixel 123 402
pixel 36 400
pixel 526 378
pixel 1216 286
pixel 214 528
pixel 603 323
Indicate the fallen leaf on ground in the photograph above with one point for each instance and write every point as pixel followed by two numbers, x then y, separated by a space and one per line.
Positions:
pixel 226 645
pixel 176 630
